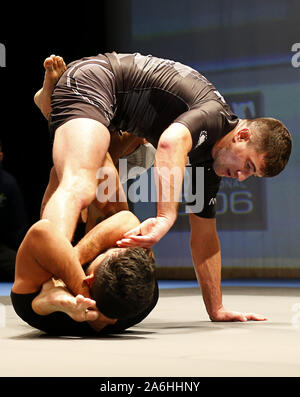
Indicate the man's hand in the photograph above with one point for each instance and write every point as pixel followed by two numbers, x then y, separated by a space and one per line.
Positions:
pixel 227 315
pixel 147 233
pixel 101 321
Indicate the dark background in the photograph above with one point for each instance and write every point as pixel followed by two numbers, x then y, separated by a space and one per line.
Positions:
pixel 29 36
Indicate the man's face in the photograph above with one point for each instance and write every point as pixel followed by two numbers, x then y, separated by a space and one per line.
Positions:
pixel 238 159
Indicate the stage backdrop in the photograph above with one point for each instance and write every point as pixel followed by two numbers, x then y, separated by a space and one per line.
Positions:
pixel 249 50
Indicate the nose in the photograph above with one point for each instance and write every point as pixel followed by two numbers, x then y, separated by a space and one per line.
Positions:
pixel 241 176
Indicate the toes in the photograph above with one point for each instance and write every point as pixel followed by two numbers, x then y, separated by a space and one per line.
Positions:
pixel 59 61
pixel 55 63
pixel 84 303
pixel 48 64
pixel 61 64
pixel 91 315
pixel 54 60
pixel 79 299
pixel 89 303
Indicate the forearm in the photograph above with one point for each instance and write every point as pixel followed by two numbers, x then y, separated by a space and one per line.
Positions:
pixel 206 254
pixel 170 161
pixel 208 272
pixel 105 235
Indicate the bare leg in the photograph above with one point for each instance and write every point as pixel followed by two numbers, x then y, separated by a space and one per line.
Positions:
pixel 55 297
pixel 97 210
pixel 101 209
pixel 54 68
pixel 51 187
pixel 79 150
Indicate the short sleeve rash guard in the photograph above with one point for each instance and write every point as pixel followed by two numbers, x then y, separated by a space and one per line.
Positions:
pixel 152 93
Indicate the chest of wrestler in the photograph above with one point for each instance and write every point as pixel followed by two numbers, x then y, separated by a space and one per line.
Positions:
pixel 147 113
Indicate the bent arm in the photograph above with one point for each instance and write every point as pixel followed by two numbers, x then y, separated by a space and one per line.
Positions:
pixel 45 252
pixel 170 161
pixel 105 235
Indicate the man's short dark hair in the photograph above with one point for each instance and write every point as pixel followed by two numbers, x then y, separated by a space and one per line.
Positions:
pixel 124 283
pixel 272 138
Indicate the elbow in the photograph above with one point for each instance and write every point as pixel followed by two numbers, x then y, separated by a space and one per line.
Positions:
pixel 37 233
pixel 126 220
pixel 39 229
pixel 177 135
pixel 129 219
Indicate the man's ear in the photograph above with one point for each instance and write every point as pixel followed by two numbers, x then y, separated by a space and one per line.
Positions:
pixel 242 135
pixel 1 156
pixel 90 280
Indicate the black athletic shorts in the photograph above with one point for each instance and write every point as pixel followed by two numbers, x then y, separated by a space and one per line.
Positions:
pixel 86 89
pixel 60 324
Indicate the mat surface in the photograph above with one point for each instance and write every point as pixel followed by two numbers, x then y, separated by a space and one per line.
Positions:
pixel 177 339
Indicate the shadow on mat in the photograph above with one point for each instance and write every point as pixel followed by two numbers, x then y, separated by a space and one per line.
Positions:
pixel 192 326
pixel 204 326
pixel 126 335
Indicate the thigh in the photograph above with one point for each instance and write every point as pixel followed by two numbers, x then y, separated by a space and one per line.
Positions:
pixel 79 148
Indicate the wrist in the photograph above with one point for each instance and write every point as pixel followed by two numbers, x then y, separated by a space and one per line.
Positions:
pixel 169 218
pixel 215 313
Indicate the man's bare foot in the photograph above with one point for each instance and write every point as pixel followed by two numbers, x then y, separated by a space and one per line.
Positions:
pixel 54 68
pixel 54 297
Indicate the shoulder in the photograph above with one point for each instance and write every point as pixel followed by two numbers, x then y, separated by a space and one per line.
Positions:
pixel 29 275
